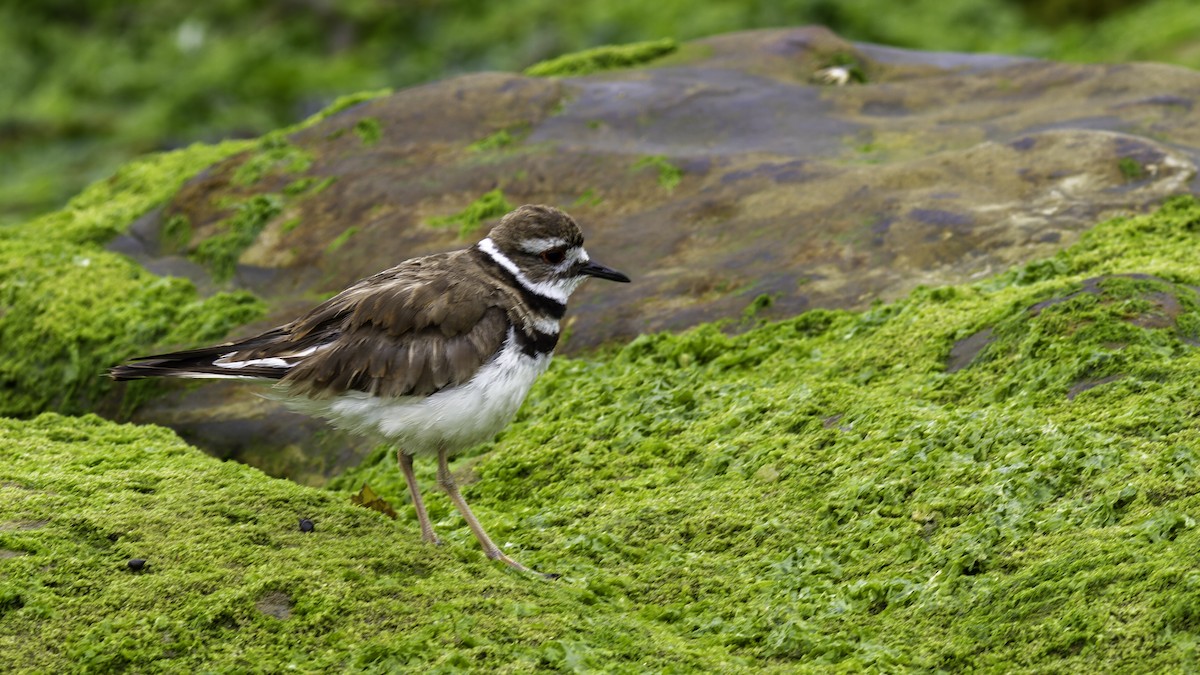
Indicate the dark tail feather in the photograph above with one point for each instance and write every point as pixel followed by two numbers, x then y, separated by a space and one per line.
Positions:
pixel 197 363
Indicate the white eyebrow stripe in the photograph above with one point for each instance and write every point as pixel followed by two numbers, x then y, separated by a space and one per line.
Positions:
pixel 559 292
pixel 539 244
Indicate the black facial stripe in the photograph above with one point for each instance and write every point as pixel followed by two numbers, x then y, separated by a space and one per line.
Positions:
pixel 537 343
pixel 539 303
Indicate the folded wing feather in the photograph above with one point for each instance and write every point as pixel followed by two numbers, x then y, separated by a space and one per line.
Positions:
pixel 410 330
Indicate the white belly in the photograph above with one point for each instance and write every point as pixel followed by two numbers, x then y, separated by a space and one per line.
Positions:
pixel 455 418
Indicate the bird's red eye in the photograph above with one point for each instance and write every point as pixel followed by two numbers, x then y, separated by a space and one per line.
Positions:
pixel 555 255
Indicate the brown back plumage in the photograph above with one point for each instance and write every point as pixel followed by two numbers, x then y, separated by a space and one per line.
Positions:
pixel 414 329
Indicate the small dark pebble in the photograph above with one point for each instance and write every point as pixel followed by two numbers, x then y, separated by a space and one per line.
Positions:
pixel 306 525
pixel 136 564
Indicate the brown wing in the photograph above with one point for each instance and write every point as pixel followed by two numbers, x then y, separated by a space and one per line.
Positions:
pixel 411 330
pixel 418 362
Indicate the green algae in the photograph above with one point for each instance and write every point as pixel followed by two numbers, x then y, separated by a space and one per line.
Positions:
pixel 368 131
pixel 599 59
pixel 275 155
pixel 1131 169
pixel 346 102
pixel 341 239
pixel 232 583
pixel 669 175
pixel 308 185
pixel 497 141
pixel 489 205
pixel 760 303
pixel 70 309
pixel 176 232
pixel 589 197
pixel 220 251
pixel 60 321
pixel 68 313
pixel 107 207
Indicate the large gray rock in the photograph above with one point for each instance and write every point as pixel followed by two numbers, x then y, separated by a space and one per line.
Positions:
pixel 939 168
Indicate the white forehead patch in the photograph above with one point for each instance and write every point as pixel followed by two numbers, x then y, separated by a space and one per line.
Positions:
pixel 576 255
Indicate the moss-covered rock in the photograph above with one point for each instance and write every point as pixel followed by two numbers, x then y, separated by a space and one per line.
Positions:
pixel 69 309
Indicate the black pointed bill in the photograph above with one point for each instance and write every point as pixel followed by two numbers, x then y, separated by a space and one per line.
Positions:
pixel 599 271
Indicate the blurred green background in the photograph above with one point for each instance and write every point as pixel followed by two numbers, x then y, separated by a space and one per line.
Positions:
pixel 87 84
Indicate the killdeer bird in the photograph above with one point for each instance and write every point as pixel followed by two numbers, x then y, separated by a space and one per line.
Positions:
pixel 436 353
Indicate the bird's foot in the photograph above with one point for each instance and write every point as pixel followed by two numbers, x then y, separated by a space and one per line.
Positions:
pixel 497 554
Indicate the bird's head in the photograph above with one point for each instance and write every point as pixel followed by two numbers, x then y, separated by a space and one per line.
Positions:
pixel 543 247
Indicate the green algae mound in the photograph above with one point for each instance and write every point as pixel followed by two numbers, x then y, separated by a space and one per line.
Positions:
pixel 998 476
pixel 69 309
pixel 231 582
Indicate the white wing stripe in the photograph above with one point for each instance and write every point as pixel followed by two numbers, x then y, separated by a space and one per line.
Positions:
pixel 269 362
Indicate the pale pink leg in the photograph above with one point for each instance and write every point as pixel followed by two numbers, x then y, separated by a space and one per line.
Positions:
pixel 447 483
pixel 418 503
